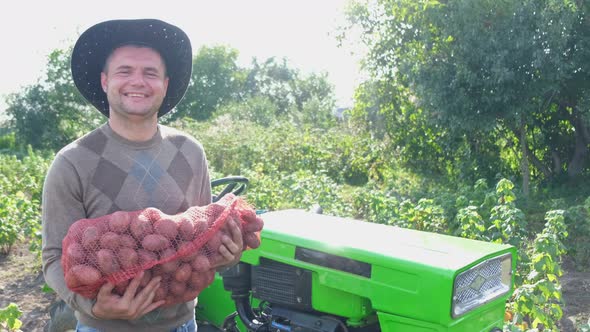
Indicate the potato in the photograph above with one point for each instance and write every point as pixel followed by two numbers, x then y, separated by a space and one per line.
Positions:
pixel 140 227
pixel 252 240
pixel 215 240
pixel 146 257
pixel 171 266
pixel 197 280
pixel 177 288
pixel 161 292
pixel 127 241
pixel 183 273
pixel 91 238
pixel 119 222
pixel 155 242
pixel 75 253
pixel 85 275
pixel 254 225
pixel 122 286
pixel 127 257
pixel 91 259
pixel 186 249
pixel 199 227
pixel 248 215
pixel 190 295
pixel 110 240
pixel 107 261
pixel 200 280
pixel 200 263
pixel 166 227
pixel 209 277
pixel 76 230
pixel 186 230
pixel 71 281
pixel 152 214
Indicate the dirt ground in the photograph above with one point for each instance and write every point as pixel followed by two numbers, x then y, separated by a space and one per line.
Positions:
pixel 21 282
pixel 575 287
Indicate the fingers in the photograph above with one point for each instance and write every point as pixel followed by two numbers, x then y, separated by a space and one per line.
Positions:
pixel 229 244
pixel 132 304
pixel 106 290
pixel 132 288
pixel 141 303
pixel 226 254
pixel 148 292
pixel 103 300
pixel 147 305
pixel 151 307
pixel 236 233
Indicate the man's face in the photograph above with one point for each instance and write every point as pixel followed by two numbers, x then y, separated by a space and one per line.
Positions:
pixel 135 82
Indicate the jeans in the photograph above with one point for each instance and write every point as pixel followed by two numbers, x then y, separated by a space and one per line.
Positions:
pixel 190 326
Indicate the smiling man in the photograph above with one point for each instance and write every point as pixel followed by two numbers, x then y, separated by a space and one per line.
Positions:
pixel 135 82
pixel 133 72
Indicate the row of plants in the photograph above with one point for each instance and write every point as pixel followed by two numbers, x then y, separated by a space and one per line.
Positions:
pixel 353 176
pixel 21 183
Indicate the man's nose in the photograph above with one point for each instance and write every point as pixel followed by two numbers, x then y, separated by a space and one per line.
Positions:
pixel 137 78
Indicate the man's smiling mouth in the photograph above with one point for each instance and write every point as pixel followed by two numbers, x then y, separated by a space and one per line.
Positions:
pixel 135 95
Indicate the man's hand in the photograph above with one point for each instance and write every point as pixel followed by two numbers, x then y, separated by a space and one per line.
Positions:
pixel 231 247
pixel 130 306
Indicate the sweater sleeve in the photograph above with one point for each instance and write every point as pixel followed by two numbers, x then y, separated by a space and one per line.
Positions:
pixel 61 206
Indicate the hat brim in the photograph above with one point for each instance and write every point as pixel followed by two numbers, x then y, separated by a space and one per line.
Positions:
pixel 96 43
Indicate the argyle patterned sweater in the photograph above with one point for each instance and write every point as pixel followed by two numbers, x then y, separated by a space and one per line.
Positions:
pixel 101 173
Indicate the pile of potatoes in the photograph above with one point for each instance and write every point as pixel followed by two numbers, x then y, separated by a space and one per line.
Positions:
pixel 183 249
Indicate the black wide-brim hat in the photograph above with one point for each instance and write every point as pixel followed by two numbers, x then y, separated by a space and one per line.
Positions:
pixel 96 44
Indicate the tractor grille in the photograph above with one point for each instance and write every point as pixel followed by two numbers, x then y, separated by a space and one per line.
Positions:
pixel 282 284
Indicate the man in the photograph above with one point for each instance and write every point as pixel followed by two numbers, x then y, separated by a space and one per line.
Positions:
pixel 133 71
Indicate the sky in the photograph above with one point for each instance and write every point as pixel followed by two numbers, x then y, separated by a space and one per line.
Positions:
pixel 303 31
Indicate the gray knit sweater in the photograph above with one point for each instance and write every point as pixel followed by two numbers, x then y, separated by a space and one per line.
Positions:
pixel 101 173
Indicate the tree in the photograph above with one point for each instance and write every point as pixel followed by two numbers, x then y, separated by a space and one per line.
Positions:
pixel 302 98
pixel 51 113
pixel 505 73
pixel 273 80
pixel 216 79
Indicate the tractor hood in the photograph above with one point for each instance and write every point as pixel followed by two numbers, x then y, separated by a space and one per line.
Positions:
pixel 374 243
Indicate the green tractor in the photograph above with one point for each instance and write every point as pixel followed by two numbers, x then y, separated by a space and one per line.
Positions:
pixel 315 272
pixel 320 273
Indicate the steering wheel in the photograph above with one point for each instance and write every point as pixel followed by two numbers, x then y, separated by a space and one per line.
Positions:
pixel 233 184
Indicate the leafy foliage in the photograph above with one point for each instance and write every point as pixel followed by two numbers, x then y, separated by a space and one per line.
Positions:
pixel 9 317
pixel 51 113
pixel 509 81
pixel 215 80
pixel 20 213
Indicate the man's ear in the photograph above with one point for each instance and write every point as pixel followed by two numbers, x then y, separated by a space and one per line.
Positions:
pixel 103 81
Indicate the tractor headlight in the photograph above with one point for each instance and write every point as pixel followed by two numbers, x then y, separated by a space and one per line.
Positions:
pixel 482 283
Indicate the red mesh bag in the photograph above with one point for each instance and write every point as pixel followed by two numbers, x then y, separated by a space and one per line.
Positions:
pixel 183 249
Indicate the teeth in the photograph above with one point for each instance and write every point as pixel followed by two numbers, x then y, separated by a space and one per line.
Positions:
pixel 135 95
